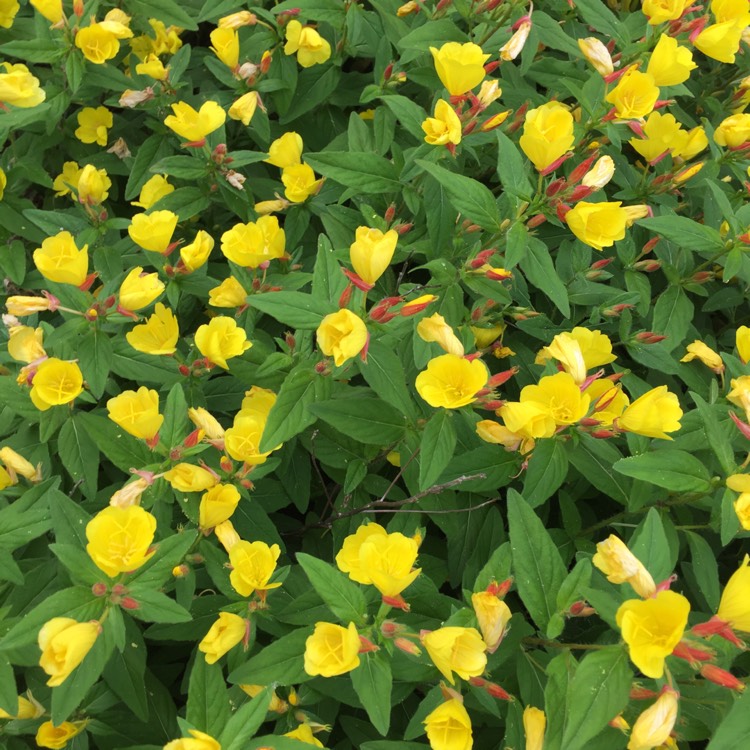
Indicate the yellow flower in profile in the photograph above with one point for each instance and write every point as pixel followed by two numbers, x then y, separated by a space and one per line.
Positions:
pixel 190 478
pixel 285 151
pixel 52 10
pixel 153 231
pixel 448 727
pixel 697 141
pixel 607 399
pixel 310 46
pixel 598 225
pixel 64 643
pixel 224 635
pixel 720 41
pixel 304 733
pixel 93 125
pixel 59 259
pixel 153 190
pixel 434 328
pixel 389 562
pixel 19 87
pixel 710 358
pixel 244 108
pixel 733 131
pixel 498 434
pixel 620 565
pixel 137 412
pixel 6 480
pixel 57 737
pixel 734 606
pixel 158 335
pixel 220 340
pixel 139 289
pixel 26 344
pixel 21 306
pixel 742 342
pixel 659 11
pixel 225 44
pixel 670 62
pixel 567 351
pixel 217 505
pixel 443 127
pixel 547 134
pixel 493 616
pixel 251 244
pixel 534 726
pixel 153 67
pixel 194 125
pixel 560 396
pixel 55 382
pixel 196 254
pixel 634 96
pixel 740 393
pixel 332 650
pixel 460 67
pixel 67 180
pixel 455 649
pixel 597 54
pixel 119 539
pixel 230 293
pixel 451 381
pixel 654 414
pixel 652 628
pixel 654 725
pixel 98 42
pixel 205 421
pixel 372 252
pixel 27 709
pixel 483 337
pixel 93 185
pixel 196 741
pixel 662 134
pixel 253 564
pixel 238 19
pixel 300 182
pixel 341 335
pixel 17 464
pixel 348 558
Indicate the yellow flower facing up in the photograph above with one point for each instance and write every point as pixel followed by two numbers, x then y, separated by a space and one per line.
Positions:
pixel 197 253
pixel 244 108
pixel 455 649
pixel 304 733
pixel 139 289
pixel 153 231
pixel 99 42
pixel 341 335
pixel 55 383
pixel 720 41
pixel 220 340
pixel 26 344
pixel 52 10
pixel 19 87
pixel 67 180
pixel 57 737
pixel 253 564
pixel 119 539
pixel 710 358
pixel 598 225
pixel 654 725
pixel 448 727
pixel 654 414
pixel 733 131
pixel 620 565
pixel 742 342
pixel 652 628
pixel 17 464
pixel 559 396
pixel 451 381
pixel 196 741
pixel 372 252
pixel 190 478
pixel 137 412
pixel 225 44
pixel 158 335
pixel 332 650
pixel 217 505
pixel 493 616
pixel 348 558
pixel 242 439
pixel 547 134
pixel 194 125
pixel 534 726
pixel 310 47
pixel 734 606
pixel 153 191
pixel 389 562
pixel 300 182
pixel 460 67
pixel 659 11
pixel 93 125
pixel 59 259
pixel 153 67
pixel 223 636
pixel 285 151
pixel 443 127
pixel 251 244
pixel 230 293
pixel 64 643
pixel 434 328
pixel 634 96
pixel 93 186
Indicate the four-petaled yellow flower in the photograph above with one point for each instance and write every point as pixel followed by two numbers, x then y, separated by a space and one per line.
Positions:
pixel 217 505
pixel 196 254
pixel 225 44
pixel 223 635
pixel 93 125
pixel 389 562
pixel 220 340
pixel 64 643
pixel 710 358
pixel 186 477
pixel 371 252
pixel 119 539
pixel 443 127
pixel 19 87
pixel 137 412
pixel 194 125
pixel 26 344
pixel 300 182
pixel 254 243
pixel 285 151
pixel 59 259
pixel 158 335
pixel 342 335
pixel 547 134
pixel 244 108
pixel 153 231
pixel 139 289
pixel 451 381
pixel 456 649
pixel 230 293
pixel 670 62
pixel 733 131
pixel 460 67
pixel 92 185
pixel 634 96
pixel 493 616
pixel 659 11
pixel 153 190
pixel 448 727
pixel 332 650
pixel 253 564
pixel 55 382
pixel 434 328
pixel 598 225
pixel 654 414
pixel 310 46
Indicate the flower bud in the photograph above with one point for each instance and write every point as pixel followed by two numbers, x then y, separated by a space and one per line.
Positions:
pixel 597 54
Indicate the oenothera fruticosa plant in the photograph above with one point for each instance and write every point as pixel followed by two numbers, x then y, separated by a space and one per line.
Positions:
pixel 374 375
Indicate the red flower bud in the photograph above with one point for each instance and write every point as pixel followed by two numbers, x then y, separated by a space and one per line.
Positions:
pixel 99 589
pixel 129 603
pixel 720 676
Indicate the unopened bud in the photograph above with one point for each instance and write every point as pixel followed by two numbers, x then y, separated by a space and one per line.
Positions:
pixel 648 266
pixel 127 602
pixel 407 646
pixel 265 62
pixel 720 676
pixel 99 589
pixel 597 54
pixel 180 571
pixel 346 295
pixel 536 221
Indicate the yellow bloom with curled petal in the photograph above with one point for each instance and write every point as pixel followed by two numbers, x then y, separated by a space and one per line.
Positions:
pixel 230 293
pixel 196 254
pixel 662 134
pixel 119 539
pixel 733 131
pixel 27 709
pixel 493 616
pixel 217 505
pixel 659 11
pixel 194 125
pixel 137 412
pixel 67 179
pixel 653 726
pixel 341 335
pixel 251 244
pixel 598 225
pixel 59 259
pixel 304 733
pixel 57 737
pixel 654 414
pixel 389 562
pixel 597 54
pixel 52 10
pixel 560 396
pixel 372 252
pixel 448 727
pixel 224 635
pixel 153 67
pixel 158 335
pixel 93 125
pixel 285 151
pixel 26 344
pixel 456 649
pixel 300 182
pixel 55 382
pixel 434 328
pixel 734 606
pixel 238 19
pixel 547 134
pixel 697 141
pixel 311 48
pixel 93 185
pixel 253 564
pixel 348 558
pixel 534 726
pixel 139 290
pixel 451 381
pixel 196 741
pixel 153 231
pixel 607 399
pixel 19 87
pixel 64 644
pixel 244 108
pixel 15 463
pixel 578 351
pixel 498 434
pixel 634 96
pixel 220 340
pixel 190 478
pixel 670 62
pixel 153 190
pixel 443 127
pixel 205 421
pixel 332 650
pixel 620 565
pixel 98 43
pixel 460 67
pixel 720 41
pixel 225 44
pixel 710 358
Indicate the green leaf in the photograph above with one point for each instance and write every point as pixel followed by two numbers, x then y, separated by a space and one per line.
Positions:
pixel 546 471
pixel 436 447
pixel 649 544
pixel 8 690
pixel 176 424
pixel 79 455
pixel 538 567
pixel 169 553
pixel 385 374
pixel 538 268
pixel 685 233
pixel 313 88
pixel 186 202
pixel 123 450
pixel 153 606
pixel 596 14
pixel 512 167
pixel 372 682
pixel 80 566
pixel 368 420
pixel 281 662
pixel 673 314
pixel 124 673
pixel 149 152
pixel 184 167
pixel 34 50
pixel 208 702
pixel 594 460
pixel 672 469
pixel 733 731
pixel 328 279
pixel 95 356
pixel 718 438
pixel 341 595
pixel 167 11
pixel 705 569
pixel 246 721
pixel 291 308
pixel 358 170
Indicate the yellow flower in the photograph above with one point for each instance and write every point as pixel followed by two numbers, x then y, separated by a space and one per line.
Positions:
pixel 670 63
pixel 64 643
pixel 434 328
pixel 285 151
pixel 57 737
pixel 742 342
pixel 388 561
pixel 227 535
pixel 720 41
pixel 196 254
pixel 190 478
pixel 238 19
pixel 242 439
pixel 654 725
pixel 634 96
pixel 139 290
pixel 341 335
pixel 197 741
pixel 560 396
pixel 194 125
pixel 18 87
pixel 310 46
pixel 299 182
pixel 204 420
pixel 21 306
pixel 17 464
pixel 225 44
pixel 60 260
pixel 514 46
pixel 600 174
pixel 304 733
pixel 93 125
pixel 596 52
pixel 153 67
pixel 483 337
pixel 663 133
pixel 455 649
pixel 253 564
pixel 130 494
pixel 158 335
pixel 547 134
pixel 710 358
pixel 731 10
pixel 52 10
pixel 271 207
pixel 26 344
pixel 608 399
pixel 67 179
pixel 6 480
pixel 652 628
pixel 371 252
pixel 3 176
pixel 55 382
pixel 230 293
pixel 493 616
pixel 733 131
pixel 498 434
pixel 153 191
pixel 97 43
pixel 153 231
pixel 620 565
pixel 220 340
pixel 598 225
pixel 224 635
pixel 27 709
pixel 332 650
pixel 444 127
pixel 734 606
pixel 448 727
pixel 740 393
pixel 244 108
pixel 567 351
pixel 93 185
pixel 451 381
pixel 654 414
pixel 659 11
pixel 251 244
pixel 534 725
pixel 348 558
pixel 277 704
pixel 460 67
pixel 217 505
pixel 137 412
pixel 119 539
